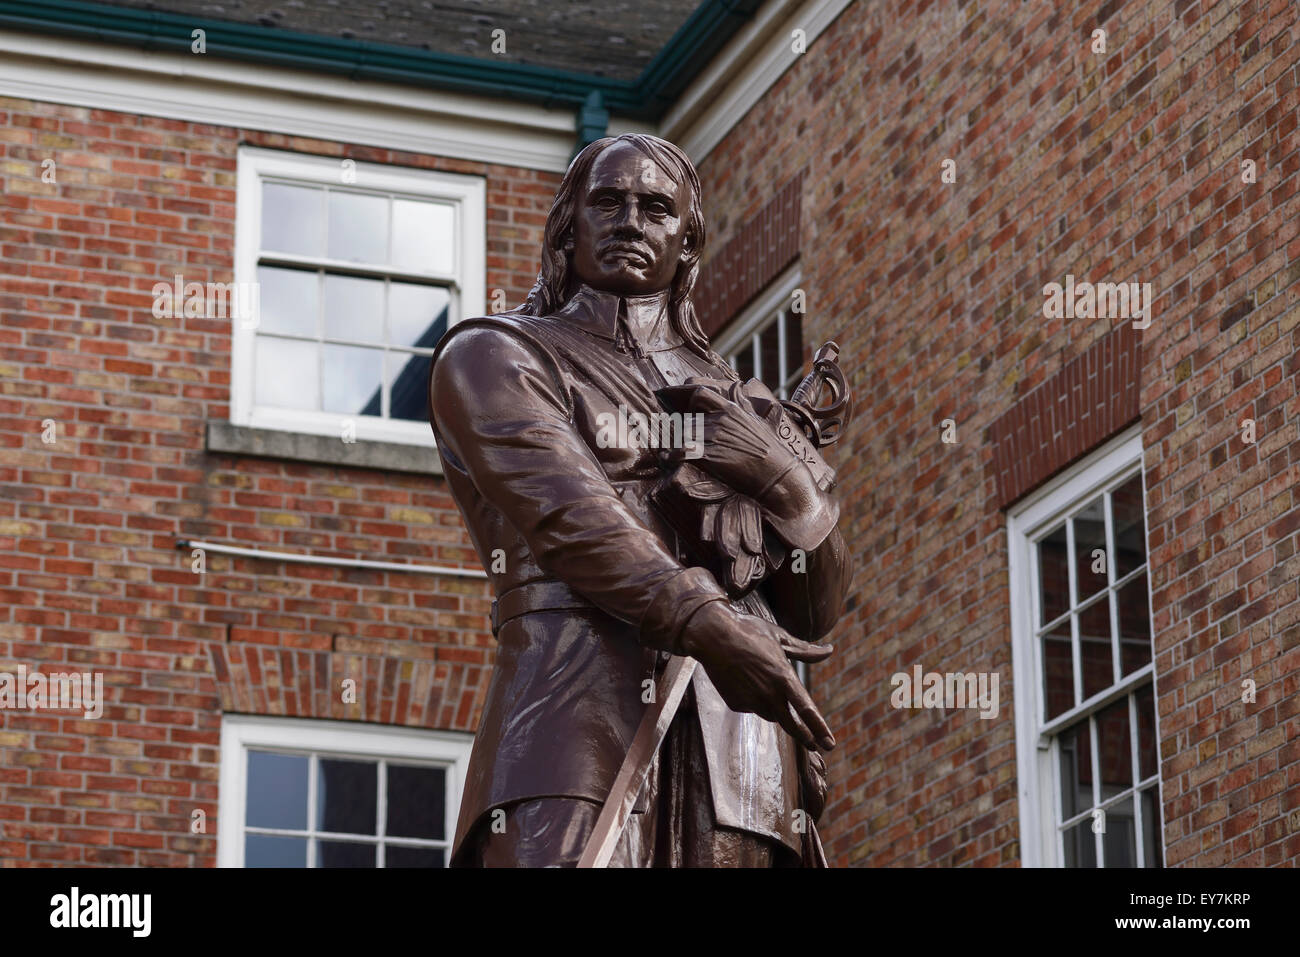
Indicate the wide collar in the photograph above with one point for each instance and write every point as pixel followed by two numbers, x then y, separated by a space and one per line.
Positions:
pixel 644 317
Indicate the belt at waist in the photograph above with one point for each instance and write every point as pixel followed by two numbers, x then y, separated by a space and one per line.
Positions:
pixel 542 595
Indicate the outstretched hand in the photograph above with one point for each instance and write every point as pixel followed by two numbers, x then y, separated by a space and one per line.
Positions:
pixel 748 660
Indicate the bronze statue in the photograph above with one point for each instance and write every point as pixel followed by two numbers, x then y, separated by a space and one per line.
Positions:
pixel 618 565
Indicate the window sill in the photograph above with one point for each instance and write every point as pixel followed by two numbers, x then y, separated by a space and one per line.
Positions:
pixel 234 439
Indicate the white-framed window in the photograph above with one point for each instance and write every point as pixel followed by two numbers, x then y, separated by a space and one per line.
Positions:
pixel 307 793
pixel 765 341
pixel 359 269
pixel 1087 744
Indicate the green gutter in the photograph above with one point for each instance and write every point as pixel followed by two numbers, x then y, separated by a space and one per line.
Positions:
pixel 593 120
pixel 704 33
pixel 698 39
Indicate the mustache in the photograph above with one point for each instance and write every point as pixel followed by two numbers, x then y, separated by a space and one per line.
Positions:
pixel 626 246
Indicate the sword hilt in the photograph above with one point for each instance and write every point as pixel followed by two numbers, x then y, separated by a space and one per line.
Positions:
pixel 823 424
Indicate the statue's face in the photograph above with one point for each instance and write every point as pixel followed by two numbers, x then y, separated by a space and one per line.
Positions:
pixel 630 225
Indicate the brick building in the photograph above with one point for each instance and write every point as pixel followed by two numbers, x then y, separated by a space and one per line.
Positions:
pixel 1082 497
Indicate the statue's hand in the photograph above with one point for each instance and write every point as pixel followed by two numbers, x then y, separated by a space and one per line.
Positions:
pixel 748 661
pixel 740 449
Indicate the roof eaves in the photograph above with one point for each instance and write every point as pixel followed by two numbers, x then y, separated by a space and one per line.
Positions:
pixel 159 30
pixel 690 48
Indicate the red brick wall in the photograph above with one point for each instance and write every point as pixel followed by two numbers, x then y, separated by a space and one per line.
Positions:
pixel 90 578
pixel 1118 167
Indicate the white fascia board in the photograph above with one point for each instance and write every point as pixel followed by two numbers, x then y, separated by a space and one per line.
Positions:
pixel 205 89
pixel 620 124
pixel 742 72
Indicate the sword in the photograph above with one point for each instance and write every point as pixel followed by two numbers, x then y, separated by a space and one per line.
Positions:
pixel 822 425
pixel 650 735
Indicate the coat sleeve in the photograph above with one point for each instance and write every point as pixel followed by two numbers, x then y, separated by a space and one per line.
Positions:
pixel 807 593
pixel 500 408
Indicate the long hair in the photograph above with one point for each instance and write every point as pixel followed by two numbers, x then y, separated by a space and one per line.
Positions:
pixel 555 277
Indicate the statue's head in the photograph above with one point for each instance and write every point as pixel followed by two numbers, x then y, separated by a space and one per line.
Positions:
pixel 633 219
pixel 627 219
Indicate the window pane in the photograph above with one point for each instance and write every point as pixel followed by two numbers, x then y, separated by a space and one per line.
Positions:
pixel 769 345
pixel 1130 536
pixel 745 363
pixel 1119 840
pixel 265 850
pixel 1090 537
pixel 1151 827
pixel 351 379
pixel 794 341
pixel 293 219
pixel 1053 576
pixel 422 235
pixel 345 854
pixel 417 315
pixel 1080 845
pixel 346 796
pixel 277 790
pixel 413 856
pixel 287 301
pixel 1148 755
pixel 1114 749
pixel 354 309
pixel 1076 770
pixel 287 375
pixel 358 227
pixel 408 386
pixel 417 802
pixel 1058 671
pixel 1094 647
pixel 1134 625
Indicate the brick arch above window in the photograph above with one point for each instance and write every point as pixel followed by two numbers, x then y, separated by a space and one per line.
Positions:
pixel 1093 397
pixel 401 683
pixel 761 249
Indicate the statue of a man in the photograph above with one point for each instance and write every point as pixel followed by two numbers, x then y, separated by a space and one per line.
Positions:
pixel 597 588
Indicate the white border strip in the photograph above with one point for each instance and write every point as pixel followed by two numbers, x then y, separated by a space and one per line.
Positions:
pixel 307 558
